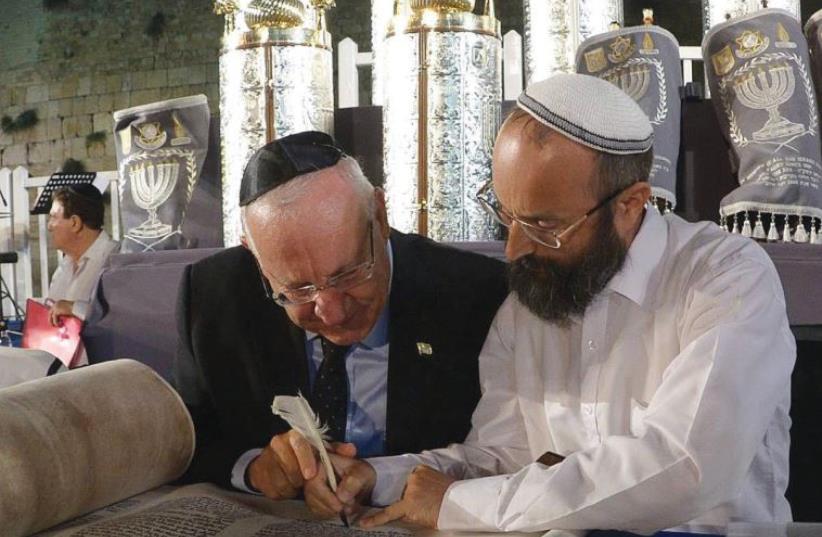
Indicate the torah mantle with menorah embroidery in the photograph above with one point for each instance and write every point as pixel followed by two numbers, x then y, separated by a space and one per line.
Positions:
pixel 161 148
pixel 643 61
pixel 762 89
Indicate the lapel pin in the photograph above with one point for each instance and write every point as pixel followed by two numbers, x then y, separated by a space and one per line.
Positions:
pixel 424 349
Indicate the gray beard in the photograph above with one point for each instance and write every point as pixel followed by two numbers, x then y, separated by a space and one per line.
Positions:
pixel 556 292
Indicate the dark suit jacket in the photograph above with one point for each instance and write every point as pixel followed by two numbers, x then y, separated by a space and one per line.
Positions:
pixel 238 350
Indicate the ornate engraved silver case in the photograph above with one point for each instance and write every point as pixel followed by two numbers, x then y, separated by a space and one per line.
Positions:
pixel 813 32
pixel 276 78
pixel 555 28
pixel 718 11
pixel 440 120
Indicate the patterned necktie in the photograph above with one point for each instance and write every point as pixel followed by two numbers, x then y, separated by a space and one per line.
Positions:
pixel 329 397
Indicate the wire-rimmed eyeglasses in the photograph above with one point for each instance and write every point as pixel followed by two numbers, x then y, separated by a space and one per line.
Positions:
pixel 341 281
pixel 547 237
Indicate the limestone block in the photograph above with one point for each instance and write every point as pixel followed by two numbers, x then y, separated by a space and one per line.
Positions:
pixel 39 152
pixel 105 102
pixel 54 128
pixel 212 72
pixel 147 63
pixel 5 139
pixel 76 126
pixel 53 109
pixel 125 82
pixel 14 155
pixel 13 111
pixel 122 100
pixel 139 80
pixel 18 96
pixel 96 150
pixel 65 88
pixel 46 168
pixel 99 83
pixel 84 85
pixel 157 78
pixel 114 83
pixel 37 94
pixel 110 148
pixel 76 149
pixel 37 133
pixel 90 104
pixel 65 107
pixel 178 76
pixel 148 96
pixel 78 106
pixel 57 150
pixel 102 121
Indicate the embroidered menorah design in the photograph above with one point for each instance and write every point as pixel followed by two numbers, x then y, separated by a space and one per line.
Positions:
pixel 633 80
pixel 767 90
pixel 151 185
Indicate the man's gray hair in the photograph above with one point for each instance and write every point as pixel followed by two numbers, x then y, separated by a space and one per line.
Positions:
pixel 286 194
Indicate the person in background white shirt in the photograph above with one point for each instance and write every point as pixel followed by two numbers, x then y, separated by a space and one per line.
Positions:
pixel 75 225
pixel 76 228
pixel 637 377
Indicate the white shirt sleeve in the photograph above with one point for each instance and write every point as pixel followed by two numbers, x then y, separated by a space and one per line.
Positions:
pixel 702 426
pixel 79 309
pixel 239 469
pixel 497 416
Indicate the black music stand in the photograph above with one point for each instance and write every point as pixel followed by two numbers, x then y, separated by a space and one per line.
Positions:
pixel 60 180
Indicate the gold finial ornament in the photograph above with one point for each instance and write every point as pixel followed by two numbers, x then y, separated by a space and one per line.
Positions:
pixel 224 7
pixel 648 17
pixel 444 6
pixel 323 4
pixel 490 10
pixel 272 13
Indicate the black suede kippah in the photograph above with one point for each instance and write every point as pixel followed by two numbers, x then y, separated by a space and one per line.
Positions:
pixel 282 160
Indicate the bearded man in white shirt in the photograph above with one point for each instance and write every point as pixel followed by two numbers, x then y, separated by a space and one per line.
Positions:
pixel 76 227
pixel 638 375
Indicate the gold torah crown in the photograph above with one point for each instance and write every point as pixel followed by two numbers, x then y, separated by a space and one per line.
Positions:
pixel 444 6
pixel 265 13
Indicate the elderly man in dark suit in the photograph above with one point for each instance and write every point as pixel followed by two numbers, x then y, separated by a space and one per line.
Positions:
pixel 378 329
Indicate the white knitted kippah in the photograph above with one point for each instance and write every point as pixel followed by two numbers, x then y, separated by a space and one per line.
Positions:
pixel 589 111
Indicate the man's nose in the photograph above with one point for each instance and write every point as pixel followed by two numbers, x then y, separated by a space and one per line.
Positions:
pixel 329 307
pixel 518 243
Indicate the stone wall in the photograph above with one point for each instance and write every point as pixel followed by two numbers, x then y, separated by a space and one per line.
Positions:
pixel 79 60
pixel 76 63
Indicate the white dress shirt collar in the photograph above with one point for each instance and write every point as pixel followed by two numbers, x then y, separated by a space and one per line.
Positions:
pixel 634 281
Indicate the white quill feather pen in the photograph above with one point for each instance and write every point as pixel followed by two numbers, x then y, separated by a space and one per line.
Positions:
pixel 298 413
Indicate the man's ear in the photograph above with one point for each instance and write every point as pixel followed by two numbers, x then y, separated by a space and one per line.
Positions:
pixel 632 201
pixel 76 223
pixel 244 242
pixel 381 213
